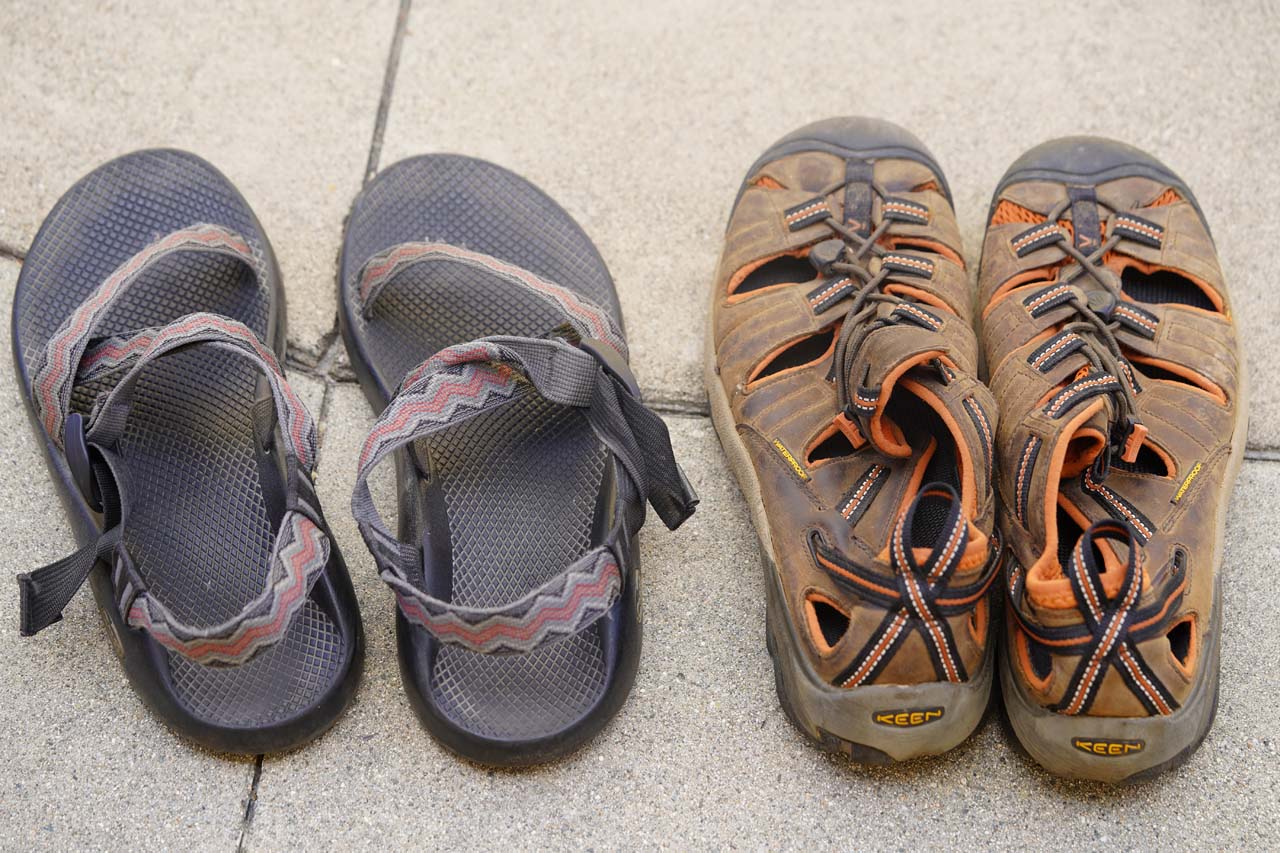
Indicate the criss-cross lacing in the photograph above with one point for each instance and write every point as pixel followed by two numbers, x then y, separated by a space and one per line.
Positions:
pixel 1096 322
pixel 847 255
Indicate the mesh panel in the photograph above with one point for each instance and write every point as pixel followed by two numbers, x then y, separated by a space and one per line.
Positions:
pixel 198 528
pixel 520 485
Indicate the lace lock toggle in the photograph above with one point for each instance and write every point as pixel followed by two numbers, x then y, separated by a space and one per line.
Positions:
pixel 826 253
pixel 1134 435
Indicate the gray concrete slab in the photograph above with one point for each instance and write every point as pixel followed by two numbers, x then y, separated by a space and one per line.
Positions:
pixel 702 756
pixel 280 97
pixel 641 119
pixel 85 765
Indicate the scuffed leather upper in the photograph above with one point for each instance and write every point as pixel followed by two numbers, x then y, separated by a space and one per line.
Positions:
pixel 1043 456
pixel 849 504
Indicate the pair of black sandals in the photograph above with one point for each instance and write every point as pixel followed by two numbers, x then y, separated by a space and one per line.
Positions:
pixel 485 330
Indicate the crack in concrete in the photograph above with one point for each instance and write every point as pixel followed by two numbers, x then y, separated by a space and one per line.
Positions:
pixel 388 86
pixel 250 804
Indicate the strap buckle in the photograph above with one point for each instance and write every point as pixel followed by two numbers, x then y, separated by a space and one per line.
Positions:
pixel 76 449
pixel 612 362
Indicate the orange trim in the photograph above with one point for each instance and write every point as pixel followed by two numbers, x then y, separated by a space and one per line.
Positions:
pixel 1023 644
pixel 855 578
pixel 1169 196
pixel 913 484
pixel 856 439
pixel 924 245
pixel 1037 276
pixel 927 186
pixel 811 617
pixel 768 183
pixel 1119 263
pixel 1198 381
pixel 1046 569
pixel 1174 595
pixel 1075 460
pixel 919 295
pixel 752 382
pixel 968 483
pixel 747 269
pixel 894 443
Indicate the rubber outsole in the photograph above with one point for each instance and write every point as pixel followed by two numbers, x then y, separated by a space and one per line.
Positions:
pixel 851 136
pixel 1052 739
pixel 1089 160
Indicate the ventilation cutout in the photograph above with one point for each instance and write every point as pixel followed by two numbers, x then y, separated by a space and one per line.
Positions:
pixel 1190 378
pixel 927 186
pixel 1069 532
pixel 786 269
pixel 1150 461
pixel 978 622
pixel 1182 645
pixel 1040 659
pixel 831 446
pixel 1035 660
pixel 768 183
pixel 802 353
pixel 1164 287
pixel 827 623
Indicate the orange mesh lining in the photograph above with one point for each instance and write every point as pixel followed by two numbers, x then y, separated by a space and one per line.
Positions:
pixel 1167 197
pixel 1007 211
pixel 767 183
pixel 926 187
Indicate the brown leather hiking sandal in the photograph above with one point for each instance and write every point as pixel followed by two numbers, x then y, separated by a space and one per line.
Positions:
pixel 841 371
pixel 1114 358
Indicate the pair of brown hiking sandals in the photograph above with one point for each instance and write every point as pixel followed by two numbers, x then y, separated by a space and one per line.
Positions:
pixel 1031 479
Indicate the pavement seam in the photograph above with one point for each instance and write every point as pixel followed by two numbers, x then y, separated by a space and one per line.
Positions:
pixel 250 804
pixel 388 86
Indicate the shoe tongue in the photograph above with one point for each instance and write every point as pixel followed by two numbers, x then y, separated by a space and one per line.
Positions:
pixel 1084 444
pixel 909 408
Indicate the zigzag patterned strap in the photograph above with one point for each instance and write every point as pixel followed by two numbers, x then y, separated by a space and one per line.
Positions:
pixel 461 382
pixel 919 588
pixel 134 351
pixel 1109 620
pixel 300 553
pixel 589 320
pixel 55 376
pixel 301 549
